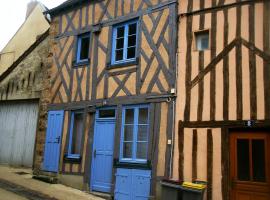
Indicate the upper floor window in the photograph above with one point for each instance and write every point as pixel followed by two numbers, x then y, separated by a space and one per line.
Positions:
pixel 135 132
pixel 83 48
pixel 76 134
pixel 124 42
pixel 202 40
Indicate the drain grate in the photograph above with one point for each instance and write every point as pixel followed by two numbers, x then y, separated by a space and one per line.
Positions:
pixel 21 173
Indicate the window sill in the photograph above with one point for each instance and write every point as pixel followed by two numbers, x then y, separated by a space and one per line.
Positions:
pixel 72 159
pixel 197 50
pixel 123 64
pixel 132 165
pixel 81 63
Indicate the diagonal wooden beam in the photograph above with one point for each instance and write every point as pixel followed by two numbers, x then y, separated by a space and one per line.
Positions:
pixel 104 10
pixel 160 86
pixel 224 53
pixel 60 46
pixel 121 85
pixel 62 78
pixel 102 46
pixel 99 78
pixel 60 66
pixel 214 62
pixel 69 21
pixel 56 91
pixel 153 80
pixel 156 23
pixel 167 73
pixel 256 50
pixel 149 61
pixel 79 82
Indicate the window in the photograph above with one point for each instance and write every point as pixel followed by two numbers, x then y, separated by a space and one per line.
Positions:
pixel 83 48
pixel 134 137
pixel 76 134
pixel 251 160
pixel 124 42
pixel 108 113
pixel 202 40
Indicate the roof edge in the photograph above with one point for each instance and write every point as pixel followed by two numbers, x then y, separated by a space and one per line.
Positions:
pixel 66 5
pixel 24 55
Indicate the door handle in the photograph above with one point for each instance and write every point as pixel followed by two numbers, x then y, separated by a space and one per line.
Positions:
pixel 58 140
pixel 95 153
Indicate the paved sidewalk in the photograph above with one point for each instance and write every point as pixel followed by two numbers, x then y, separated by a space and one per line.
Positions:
pixel 17 183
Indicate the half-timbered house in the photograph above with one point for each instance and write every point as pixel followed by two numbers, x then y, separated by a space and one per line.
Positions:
pixel 111 104
pixel 223 97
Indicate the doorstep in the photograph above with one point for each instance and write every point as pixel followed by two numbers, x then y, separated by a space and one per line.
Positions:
pixel 102 195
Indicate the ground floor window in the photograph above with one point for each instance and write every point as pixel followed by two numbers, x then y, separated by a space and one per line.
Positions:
pixel 134 134
pixel 76 134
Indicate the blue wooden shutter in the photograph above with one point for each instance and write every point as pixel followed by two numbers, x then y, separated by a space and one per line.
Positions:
pixel 53 141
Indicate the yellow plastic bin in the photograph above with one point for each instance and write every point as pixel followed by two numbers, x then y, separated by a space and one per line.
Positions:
pixel 193 191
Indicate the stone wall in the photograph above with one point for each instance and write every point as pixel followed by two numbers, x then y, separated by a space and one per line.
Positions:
pixel 45 98
pixel 26 80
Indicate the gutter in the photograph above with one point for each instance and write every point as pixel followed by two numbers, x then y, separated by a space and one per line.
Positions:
pixel 67 5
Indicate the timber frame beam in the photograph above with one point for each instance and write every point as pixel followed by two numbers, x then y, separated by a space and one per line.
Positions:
pixel 218 7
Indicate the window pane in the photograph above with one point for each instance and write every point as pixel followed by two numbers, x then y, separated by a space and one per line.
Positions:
pixel 202 40
pixel 132 29
pixel 258 160
pixel 204 43
pixel 107 113
pixel 131 40
pixel 84 51
pixel 119 55
pixel 142 133
pixel 243 159
pixel 120 43
pixel 127 150
pixel 77 133
pixel 131 52
pixel 143 116
pixel 141 150
pixel 129 116
pixel 128 136
pixel 120 32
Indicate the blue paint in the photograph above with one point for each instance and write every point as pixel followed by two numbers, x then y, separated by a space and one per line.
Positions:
pixel 53 141
pixel 132 184
pixel 135 124
pixel 114 37
pixel 102 156
pixel 79 47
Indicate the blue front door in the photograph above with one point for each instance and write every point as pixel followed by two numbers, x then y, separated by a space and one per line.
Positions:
pixel 102 157
pixel 53 139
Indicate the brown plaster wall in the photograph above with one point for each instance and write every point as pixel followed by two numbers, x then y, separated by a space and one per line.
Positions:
pixel 201 162
pixel 151 75
pixel 231 86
